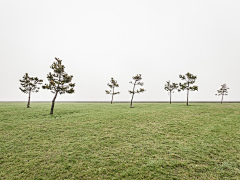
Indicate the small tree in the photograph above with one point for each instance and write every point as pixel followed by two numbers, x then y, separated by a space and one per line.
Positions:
pixel 189 79
pixel 29 85
pixel 136 81
pixel 222 91
pixel 112 85
pixel 170 87
pixel 59 81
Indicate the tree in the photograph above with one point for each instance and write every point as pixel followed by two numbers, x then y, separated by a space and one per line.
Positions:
pixel 112 85
pixel 189 79
pixel 170 87
pixel 59 81
pixel 29 85
pixel 136 80
pixel 222 91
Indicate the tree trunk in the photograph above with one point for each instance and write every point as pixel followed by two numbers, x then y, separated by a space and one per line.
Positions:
pixel 131 100
pixel 53 102
pixel 132 94
pixel 29 99
pixel 112 95
pixel 187 96
pixel 170 98
pixel 222 99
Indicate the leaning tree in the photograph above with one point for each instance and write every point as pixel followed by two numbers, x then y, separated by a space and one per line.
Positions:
pixel 189 79
pixel 170 87
pixel 223 91
pixel 29 85
pixel 136 81
pixel 113 84
pixel 59 81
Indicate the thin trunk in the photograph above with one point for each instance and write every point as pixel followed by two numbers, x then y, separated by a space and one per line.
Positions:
pixel 131 100
pixel 222 99
pixel 112 95
pixel 29 99
pixel 53 102
pixel 133 94
pixel 187 92
pixel 170 98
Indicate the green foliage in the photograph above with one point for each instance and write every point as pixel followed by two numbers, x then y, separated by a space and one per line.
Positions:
pixel 223 90
pixel 59 80
pixel 30 84
pixel 136 81
pixel 113 84
pixel 170 87
pixel 189 79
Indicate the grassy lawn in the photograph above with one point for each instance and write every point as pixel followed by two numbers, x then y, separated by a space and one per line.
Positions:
pixel 104 141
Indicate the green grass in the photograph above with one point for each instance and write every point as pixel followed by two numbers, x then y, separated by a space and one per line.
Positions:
pixel 104 141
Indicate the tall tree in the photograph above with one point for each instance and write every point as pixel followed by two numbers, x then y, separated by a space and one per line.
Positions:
pixel 170 87
pixel 223 91
pixel 113 84
pixel 59 81
pixel 136 81
pixel 189 79
pixel 29 85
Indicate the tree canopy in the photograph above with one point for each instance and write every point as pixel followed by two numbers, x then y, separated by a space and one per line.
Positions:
pixel 170 87
pixel 136 81
pixel 189 79
pixel 223 91
pixel 59 81
pixel 113 84
pixel 29 85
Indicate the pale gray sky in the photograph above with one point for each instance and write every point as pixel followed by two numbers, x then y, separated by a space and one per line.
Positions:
pixel 100 39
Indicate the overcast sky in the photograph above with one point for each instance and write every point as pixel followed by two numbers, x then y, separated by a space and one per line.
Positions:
pixel 100 39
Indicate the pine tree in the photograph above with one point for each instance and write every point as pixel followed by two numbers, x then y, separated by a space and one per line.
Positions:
pixel 59 81
pixel 189 79
pixel 113 84
pixel 136 81
pixel 29 85
pixel 222 91
pixel 170 87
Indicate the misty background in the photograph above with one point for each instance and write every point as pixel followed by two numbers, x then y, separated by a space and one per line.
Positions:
pixel 98 40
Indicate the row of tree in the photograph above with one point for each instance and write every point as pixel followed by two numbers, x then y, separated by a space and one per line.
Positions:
pixel 136 81
pixel 188 79
pixel 59 82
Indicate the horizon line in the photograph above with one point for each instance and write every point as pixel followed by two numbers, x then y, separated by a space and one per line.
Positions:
pixel 121 101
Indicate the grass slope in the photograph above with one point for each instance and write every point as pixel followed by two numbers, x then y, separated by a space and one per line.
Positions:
pixel 104 141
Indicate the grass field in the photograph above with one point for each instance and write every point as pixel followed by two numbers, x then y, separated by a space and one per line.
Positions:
pixel 104 141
